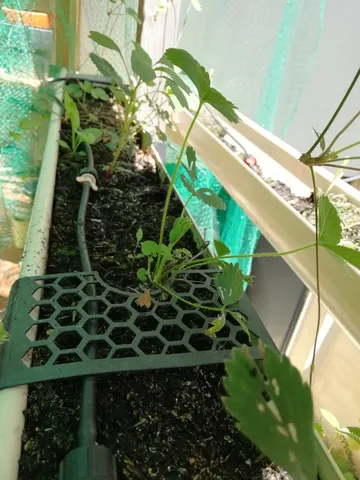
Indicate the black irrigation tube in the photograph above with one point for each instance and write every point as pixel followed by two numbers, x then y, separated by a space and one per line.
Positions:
pixel 89 461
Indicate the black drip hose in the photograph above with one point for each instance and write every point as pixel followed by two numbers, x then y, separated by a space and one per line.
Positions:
pixel 87 430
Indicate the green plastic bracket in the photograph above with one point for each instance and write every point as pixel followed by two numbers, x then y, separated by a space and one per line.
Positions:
pixel 128 337
pixel 94 462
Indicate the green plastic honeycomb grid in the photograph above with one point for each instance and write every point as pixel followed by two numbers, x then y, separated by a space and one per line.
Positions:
pixel 127 338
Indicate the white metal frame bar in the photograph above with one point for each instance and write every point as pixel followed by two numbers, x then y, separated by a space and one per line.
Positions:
pixel 284 228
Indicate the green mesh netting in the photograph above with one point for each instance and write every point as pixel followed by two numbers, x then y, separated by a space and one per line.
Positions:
pixel 261 56
pixel 17 172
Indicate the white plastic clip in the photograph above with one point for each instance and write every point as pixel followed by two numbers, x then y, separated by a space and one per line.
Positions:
pixel 88 177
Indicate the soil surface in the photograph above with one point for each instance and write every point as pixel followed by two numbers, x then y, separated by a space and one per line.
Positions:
pixel 162 424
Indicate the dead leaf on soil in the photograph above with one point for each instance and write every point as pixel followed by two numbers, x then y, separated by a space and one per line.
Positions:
pixel 144 300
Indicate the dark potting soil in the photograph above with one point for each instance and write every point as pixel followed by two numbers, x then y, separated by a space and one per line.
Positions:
pixel 160 424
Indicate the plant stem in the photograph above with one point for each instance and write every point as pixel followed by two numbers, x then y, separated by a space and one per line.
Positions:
pixel 332 445
pixel 341 132
pixel 172 182
pixel 205 261
pixel 186 204
pixel 334 165
pixel 347 148
pixel 195 305
pixel 312 367
pixel 341 104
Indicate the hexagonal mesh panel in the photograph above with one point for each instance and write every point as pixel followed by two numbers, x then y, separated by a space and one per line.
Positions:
pixel 72 340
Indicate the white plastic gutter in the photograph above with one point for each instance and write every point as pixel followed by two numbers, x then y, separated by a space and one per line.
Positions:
pixel 283 227
pixel 288 157
pixel 13 400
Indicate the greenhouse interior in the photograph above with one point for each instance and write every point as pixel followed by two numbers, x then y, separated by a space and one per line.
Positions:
pixel 179 240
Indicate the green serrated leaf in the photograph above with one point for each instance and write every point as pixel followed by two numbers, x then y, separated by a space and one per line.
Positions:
pixel 282 428
pixel 320 429
pixel 104 41
pixel 74 90
pixel 63 144
pixel 221 248
pixel 175 78
pixel 229 284
pixel 187 63
pixel 149 248
pixel 88 136
pixel 180 227
pixel 187 184
pixel 86 86
pixel 329 222
pixel 142 274
pixel 349 476
pixel 347 254
pixel 72 111
pixel 139 235
pixel 210 198
pixel 106 69
pixel 133 13
pixel 99 93
pixel 178 93
pixel 221 104
pixel 141 65
pixel 217 325
pixel 330 417
pixel 241 321
pixel 4 336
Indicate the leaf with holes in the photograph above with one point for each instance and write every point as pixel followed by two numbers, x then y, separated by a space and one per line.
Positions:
pixel 216 326
pixel 141 65
pixel 180 227
pixel 241 321
pixel 187 63
pixel 221 104
pixel 330 417
pixel 221 248
pixel 63 144
pixel 229 284
pixel 175 78
pixel 281 428
pixel 210 198
pixel 72 111
pixel 142 274
pixel 139 235
pixel 187 184
pixel 348 254
pixel 329 222
pixel 149 248
pixel 144 300
pixel 104 41
pixel 106 69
